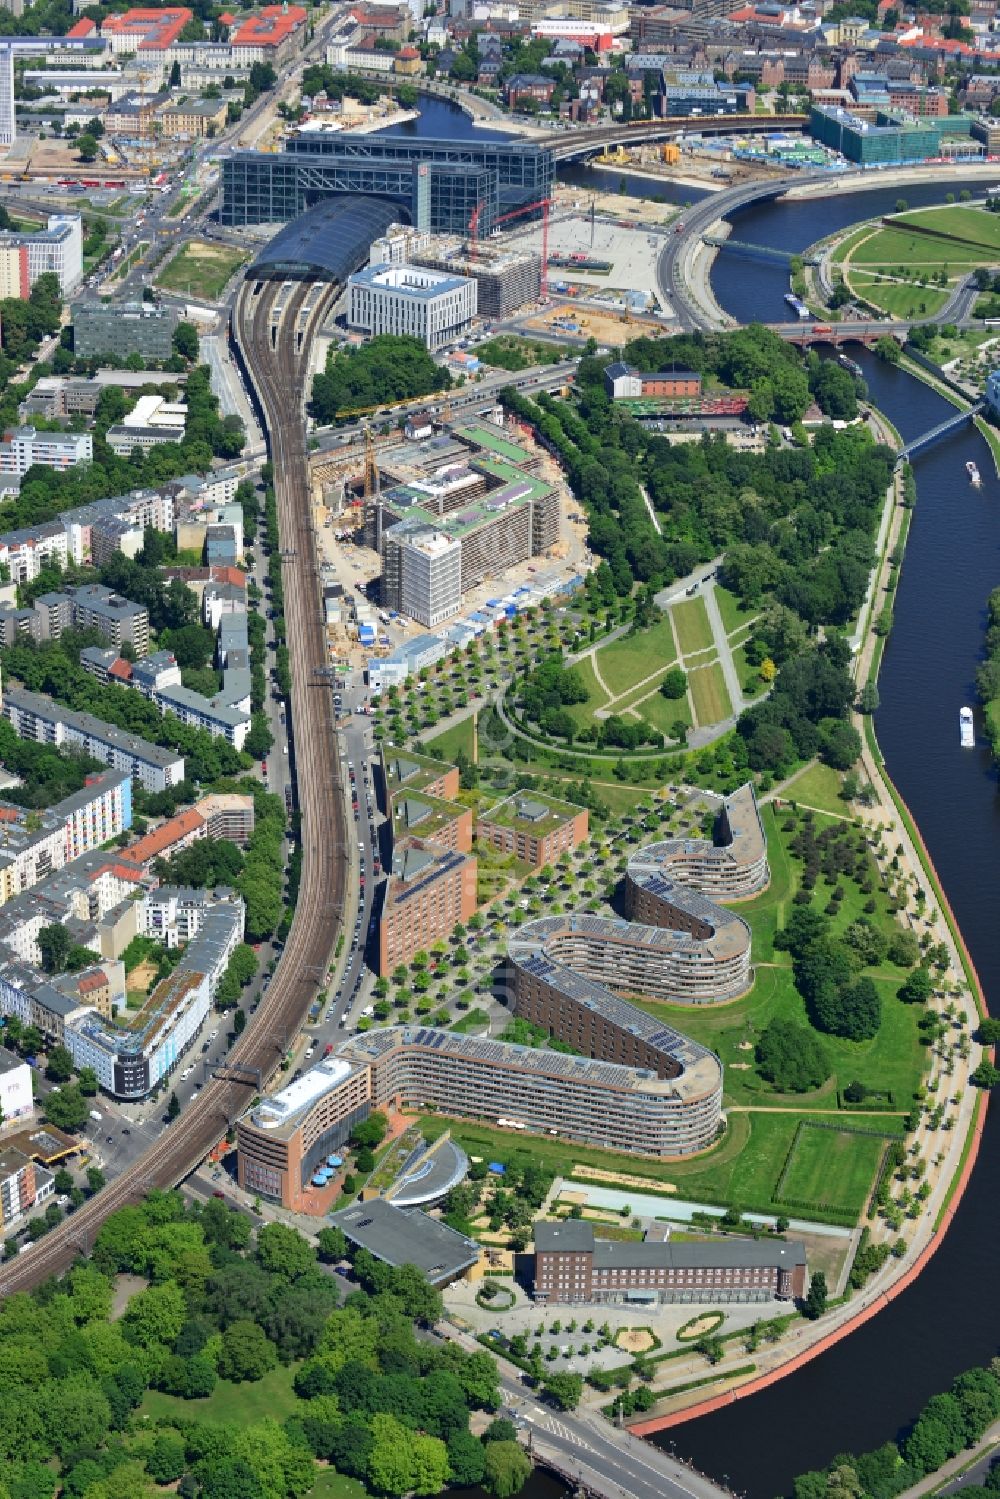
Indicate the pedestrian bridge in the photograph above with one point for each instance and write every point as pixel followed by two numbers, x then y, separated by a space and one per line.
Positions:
pixel 765 252
pixel 951 424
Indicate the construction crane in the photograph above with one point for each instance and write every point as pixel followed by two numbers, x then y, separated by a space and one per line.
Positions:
pixel 544 204
pixel 372 481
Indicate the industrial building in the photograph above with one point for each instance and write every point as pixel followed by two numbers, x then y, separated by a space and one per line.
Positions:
pixel 623 382
pixel 123 328
pixel 440 184
pixel 575 1268
pixel 411 300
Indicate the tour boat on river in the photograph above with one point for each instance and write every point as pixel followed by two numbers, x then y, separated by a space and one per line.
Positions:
pixel 973 473
pixel 966 729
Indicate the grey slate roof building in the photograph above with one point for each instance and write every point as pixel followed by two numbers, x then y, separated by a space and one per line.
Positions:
pixel 400 1237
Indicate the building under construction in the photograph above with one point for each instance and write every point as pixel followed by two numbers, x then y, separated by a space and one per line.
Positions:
pixel 507 279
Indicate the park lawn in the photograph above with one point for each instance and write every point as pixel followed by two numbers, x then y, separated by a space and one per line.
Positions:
pixel 243 1403
pixel 974 226
pixel 818 786
pixel 851 241
pixel 694 633
pixel 662 713
pixel 582 714
pixel 452 742
pixel 333 1485
pixel 734 616
pixel 902 299
pixel 709 695
pixel 201 270
pixel 475 1022
pixel 831 1169
pixel 897 249
pixel 768 910
pixel 626 662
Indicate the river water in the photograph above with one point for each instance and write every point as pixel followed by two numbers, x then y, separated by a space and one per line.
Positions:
pixel 871 1386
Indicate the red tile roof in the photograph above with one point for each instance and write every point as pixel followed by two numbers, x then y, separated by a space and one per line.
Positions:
pixel 83 27
pixel 269 26
pixel 120 670
pixel 158 29
pixel 88 982
pixel 153 844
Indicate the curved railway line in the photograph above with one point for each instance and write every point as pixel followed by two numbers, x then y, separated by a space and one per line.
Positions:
pixel 274 344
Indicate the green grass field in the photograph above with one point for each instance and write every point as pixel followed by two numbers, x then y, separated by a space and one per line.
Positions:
pixel 974 226
pixel 271 1396
pixel 201 270
pixel 458 739
pixel 662 713
pixel 831 1169
pixel 897 250
pixel 694 633
pixel 902 299
pixel 750 678
pixel 627 661
pixel 818 786
pixel 734 616
pixel 708 692
pixel 850 242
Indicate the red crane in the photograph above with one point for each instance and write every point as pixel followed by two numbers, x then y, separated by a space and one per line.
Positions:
pixel 544 204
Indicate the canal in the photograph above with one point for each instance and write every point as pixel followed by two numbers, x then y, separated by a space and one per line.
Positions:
pixel 868 1388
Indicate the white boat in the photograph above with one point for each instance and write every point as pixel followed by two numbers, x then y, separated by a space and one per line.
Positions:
pixel 973 473
pixel 966 729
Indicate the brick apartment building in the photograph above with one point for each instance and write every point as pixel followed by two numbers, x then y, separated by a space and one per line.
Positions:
pixel 573 1267
pixel 534 827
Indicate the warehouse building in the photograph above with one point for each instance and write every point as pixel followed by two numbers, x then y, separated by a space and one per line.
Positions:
pixel 574 1268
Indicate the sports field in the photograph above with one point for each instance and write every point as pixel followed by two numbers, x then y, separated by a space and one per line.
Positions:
pixel 830 1169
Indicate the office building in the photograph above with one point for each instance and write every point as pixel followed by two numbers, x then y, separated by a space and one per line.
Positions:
pixel 289 1135
pixel 575 1268
pixel 197 119
pixel 429 890
pixel 441 182
pixel 430 576
pixel 123 328
pixel 406 1236
pixel 411 300
pixel 447 824
pixel 145 33
pixel 56 249
pixel 270 34
pixel 893 137
pixel 35 716
pixel 8 119
pixel 533 827
pixel 506 279
pixel 404 772
pixel 58 450
pixel 16 1097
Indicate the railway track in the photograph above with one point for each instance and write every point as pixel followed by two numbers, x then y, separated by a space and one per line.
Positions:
pixel 274 345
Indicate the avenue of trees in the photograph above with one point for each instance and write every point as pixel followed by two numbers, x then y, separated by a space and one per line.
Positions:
pixel 371 1398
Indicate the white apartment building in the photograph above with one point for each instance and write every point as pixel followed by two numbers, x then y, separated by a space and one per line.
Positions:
pixel 27 551
pixel 431 569
pixel 35 716
pixel 406 299
pixel 59 450
pixel 34 845
pixel 15 1086
pixel 8 122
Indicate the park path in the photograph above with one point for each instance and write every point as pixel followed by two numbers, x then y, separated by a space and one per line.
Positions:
pixel 724 650
pixel 652 513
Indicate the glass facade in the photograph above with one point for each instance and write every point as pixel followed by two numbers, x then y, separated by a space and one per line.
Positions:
pixel 439 184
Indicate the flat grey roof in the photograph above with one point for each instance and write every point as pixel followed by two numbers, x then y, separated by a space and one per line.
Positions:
pixel 401 1237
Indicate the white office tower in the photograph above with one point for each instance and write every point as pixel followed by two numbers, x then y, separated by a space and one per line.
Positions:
pixel 8 124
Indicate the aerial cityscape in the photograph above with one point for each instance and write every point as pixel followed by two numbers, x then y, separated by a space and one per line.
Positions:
pixel 499 726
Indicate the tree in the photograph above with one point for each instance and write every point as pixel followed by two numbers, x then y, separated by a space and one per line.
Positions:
pixel 564 1389
pixel 816 1297
pixel 59 1065
pixel 371 1131
pixel 466 1459
pixel 246 1354
pixel 86 1081
pixel 916 988
pixel 166 1460
pixel 173 1106
pixel 54 943
pixel 283 1251
pixel 508 1468
pixel 175 75
pixel 185 340
pixel 332 1245
pixel 66 1109
pixel 986 1075
pixel 674 684
pixel 853 1010
pixel 839 743
pixel 86 147
pixel 791 1057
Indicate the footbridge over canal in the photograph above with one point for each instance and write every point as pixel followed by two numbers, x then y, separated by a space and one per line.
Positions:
pixel 950 424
